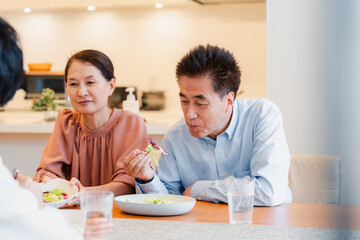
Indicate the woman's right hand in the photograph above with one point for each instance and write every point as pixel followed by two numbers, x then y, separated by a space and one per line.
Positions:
pixel 76 200
pixel 45 179
pixel 137 165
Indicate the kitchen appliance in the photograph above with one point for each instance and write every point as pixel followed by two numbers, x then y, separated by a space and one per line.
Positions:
pixel 153 100
pixel 35 82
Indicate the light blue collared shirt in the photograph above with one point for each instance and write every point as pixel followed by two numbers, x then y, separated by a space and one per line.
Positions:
pixel 254 144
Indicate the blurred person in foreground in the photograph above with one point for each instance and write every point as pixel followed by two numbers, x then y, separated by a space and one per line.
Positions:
pixel 88 144
pixel 219 136
pixel 22 215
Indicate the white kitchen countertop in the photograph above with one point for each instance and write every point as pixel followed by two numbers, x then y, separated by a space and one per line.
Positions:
pixel 23 121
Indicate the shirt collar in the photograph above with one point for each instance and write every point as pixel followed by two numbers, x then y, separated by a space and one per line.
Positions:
pixel 233 122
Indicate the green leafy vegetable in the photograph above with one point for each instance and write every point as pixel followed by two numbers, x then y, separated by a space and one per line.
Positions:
pixel 46 101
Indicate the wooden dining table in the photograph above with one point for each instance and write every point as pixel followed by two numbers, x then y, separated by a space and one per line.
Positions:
pixel 293 214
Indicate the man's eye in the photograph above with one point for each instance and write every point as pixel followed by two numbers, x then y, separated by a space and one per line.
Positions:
pixel 201 104
pixel 184 102
pixel 90 82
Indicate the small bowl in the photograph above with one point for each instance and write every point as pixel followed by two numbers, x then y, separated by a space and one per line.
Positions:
pixel 61 184
pixel 39 66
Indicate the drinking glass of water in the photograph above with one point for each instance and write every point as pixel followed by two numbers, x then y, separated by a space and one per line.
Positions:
pixel 97 204
pixel 241 199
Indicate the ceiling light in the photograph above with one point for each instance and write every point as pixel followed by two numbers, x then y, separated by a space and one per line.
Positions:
pixel 27 10
pixel 159 5
pixel 91 8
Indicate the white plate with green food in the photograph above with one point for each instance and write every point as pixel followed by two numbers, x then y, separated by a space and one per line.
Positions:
pixel 57 192
pixel 155 204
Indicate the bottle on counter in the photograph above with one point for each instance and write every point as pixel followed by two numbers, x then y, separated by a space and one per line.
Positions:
pixel 131 104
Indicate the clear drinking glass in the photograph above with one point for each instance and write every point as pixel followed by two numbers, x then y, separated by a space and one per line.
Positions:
pixel 97 204
pixel 241 199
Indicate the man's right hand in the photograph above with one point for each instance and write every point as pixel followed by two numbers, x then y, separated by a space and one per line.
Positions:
pixel 137 165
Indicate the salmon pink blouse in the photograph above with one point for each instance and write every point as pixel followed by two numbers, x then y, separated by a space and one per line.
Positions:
pixel 95 157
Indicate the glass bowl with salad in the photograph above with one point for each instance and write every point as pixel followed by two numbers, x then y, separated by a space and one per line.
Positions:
pixel 57 192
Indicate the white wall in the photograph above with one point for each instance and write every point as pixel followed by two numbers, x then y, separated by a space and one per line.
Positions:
pixel 349 81
pixel 146 43
pixel 313 75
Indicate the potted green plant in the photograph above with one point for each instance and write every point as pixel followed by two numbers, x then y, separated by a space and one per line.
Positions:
pixel 46 103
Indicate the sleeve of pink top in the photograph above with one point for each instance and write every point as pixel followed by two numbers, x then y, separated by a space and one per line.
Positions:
pixel 129 135
pixel 57 152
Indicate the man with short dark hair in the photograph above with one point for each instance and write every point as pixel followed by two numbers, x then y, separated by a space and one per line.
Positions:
pixel 220 136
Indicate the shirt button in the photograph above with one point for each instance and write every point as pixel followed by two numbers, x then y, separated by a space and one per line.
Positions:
pixel 224 174
pixel 199 197
pixel 146 188
pixel 219 150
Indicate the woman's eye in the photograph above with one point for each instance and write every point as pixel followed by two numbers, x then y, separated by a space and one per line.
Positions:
pixel 72 84
pixel 90 82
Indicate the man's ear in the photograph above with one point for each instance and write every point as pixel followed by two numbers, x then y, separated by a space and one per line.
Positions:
pixel 229 98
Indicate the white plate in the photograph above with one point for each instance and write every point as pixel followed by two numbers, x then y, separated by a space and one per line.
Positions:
pixel 134 204
pixel 61 184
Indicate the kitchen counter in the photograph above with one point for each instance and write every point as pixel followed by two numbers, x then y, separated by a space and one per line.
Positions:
pixel 24 133
pixel 157 122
